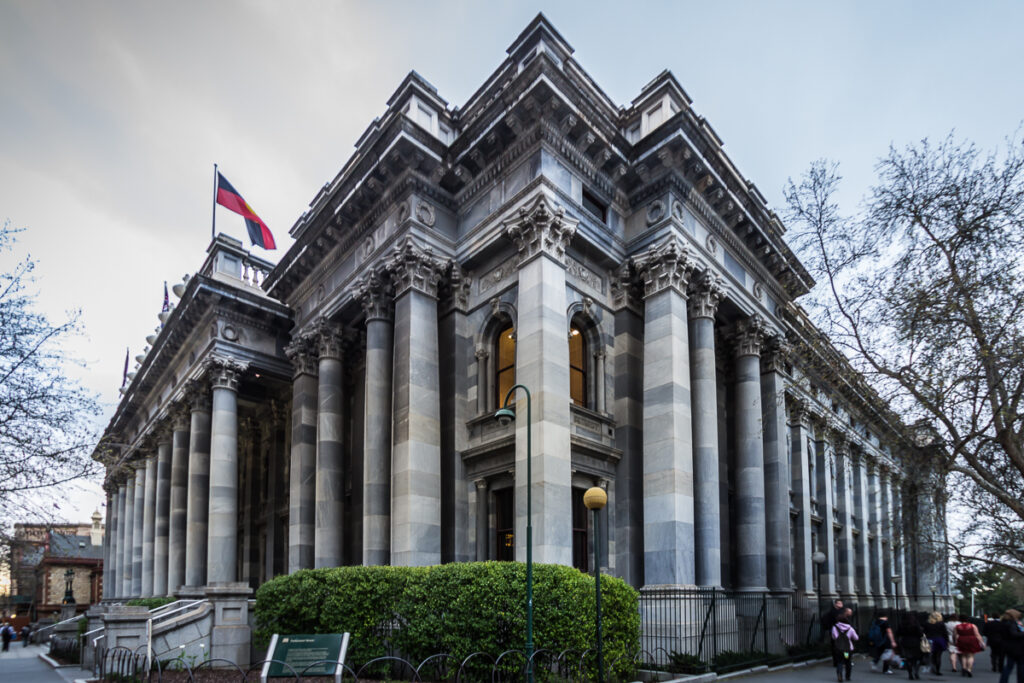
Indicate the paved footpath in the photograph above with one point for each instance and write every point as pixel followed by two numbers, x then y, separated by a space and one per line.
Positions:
pixel 862 672
pixel 23 665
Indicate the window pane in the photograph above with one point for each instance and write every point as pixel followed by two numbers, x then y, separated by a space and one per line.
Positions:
pixel 577 367
pixel 577 387
pixel 507 348
pixel 506 380
pixel 575 348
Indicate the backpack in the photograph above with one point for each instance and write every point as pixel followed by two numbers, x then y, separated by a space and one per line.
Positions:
pixel 842 639
pixel 875 633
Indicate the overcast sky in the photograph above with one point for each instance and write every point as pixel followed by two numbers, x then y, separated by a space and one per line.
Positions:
pixel 113 113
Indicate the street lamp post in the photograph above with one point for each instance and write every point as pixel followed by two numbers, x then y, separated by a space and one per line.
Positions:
pixel 594 499
pixel 818 559
pixel 895 579
pixel 933 589
pixel 506 415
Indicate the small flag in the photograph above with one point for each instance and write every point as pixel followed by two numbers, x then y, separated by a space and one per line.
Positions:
pixel 124 377
pixel 167 301
pixel 228 197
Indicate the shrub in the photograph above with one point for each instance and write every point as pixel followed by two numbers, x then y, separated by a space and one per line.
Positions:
pixel 149 603
pixel 457 608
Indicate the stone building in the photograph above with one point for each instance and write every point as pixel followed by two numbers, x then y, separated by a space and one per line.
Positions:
pixel 337 408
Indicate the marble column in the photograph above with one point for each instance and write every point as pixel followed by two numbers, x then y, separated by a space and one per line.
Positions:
pixel 161 514
pixel 222 545
pixel 705 294
pixel 177 529
pixel 276 554
pixel 541 233
pixel 862 544
pixel 116 554
pixel 302 475
pixel 198 507
pixel 416 420
pixel 375 295
pixel 328 537
pixel 802 455
pixel 899 541
pixel 886 519
pixel 482 520
pixel 667 435
pixel 776 465
pixel 826 474
pixel 875 559
pixel 138 528
pixel 127 503
pixel 751 552
pixel 109 541
pixel 149 527
pixel 844 486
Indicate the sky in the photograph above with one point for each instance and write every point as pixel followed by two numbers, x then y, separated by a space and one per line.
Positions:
pixel 113 113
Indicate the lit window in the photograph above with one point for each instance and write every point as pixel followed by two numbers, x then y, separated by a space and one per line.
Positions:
pixel 580 541
pixel 504 513
pixel 505 368
pixel 577 367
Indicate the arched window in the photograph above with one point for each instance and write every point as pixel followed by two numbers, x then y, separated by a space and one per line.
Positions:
pixel 505 363
pixel 578 362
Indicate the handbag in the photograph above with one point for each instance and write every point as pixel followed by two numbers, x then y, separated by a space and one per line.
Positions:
pixel 926 645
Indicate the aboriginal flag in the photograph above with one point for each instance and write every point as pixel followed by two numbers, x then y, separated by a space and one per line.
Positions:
pixel 227 196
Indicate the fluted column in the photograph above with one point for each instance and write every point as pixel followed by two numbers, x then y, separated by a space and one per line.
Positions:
pixel 149 527
pixel 375 295
pixel 162 506
pixel 887 526
pixel 800 472
pixel 482 516
pixel 705 294
pixel 302 476
pixel 138 528
pixel 876 563
pixel 328 538
pixel 177 498
pixel 862 508
pixel 416 419
pixel 110 543
pixel 751 553
pixel 667 434
pixel 125 547
pixel 222 547
pixel 541 233
pixel 198 508
pixel 826 466
pixel 844 484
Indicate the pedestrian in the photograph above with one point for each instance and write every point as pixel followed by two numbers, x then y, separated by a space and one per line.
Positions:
pixel 6 635
pixel 910 637
pixel 883 644
pixel 26 633
pixel 831 616
pixel 1013 646
pixel 936 632
pixel 843 638
pixel 968 643
pixel 954 657
pixel 994 630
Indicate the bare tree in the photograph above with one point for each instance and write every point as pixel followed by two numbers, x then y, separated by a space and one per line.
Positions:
pixel 47 429
pixel 922 289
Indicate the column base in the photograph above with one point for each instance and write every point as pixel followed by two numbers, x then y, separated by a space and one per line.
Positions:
pixel 190 592
pixel 230 636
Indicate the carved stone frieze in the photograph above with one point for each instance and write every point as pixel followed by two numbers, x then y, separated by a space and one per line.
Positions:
pixel 665 265
pixel 706 292
pixel 541 229
pixel 376 297
pixel 583 274
pixel 415 267
pixel 750 336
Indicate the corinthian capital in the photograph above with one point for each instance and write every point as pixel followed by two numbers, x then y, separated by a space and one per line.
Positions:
pixel 541 228
pixel 329 339
pixel 776 353
pixel 376 296
pixel 706 292
pixel 665 265
pixel 415 267
pixel 301 351
pixel 224 372
pixel 750 336
pixel 197 395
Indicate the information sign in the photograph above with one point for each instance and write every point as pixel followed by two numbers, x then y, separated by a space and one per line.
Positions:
pixel 300 651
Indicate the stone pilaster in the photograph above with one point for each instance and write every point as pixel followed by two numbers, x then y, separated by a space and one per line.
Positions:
pixel 328 537
pixel 138 528
pixel 844 505
pixel 376 297
pixel 482 525
pixel 416 419
pixel 667 429
pixel 198 509
pixel 162 514
pixel 705 294
pixel 302 477
pixel 276 552
pixel 110 542
pixel 876 564
pixel 541 233
pixel 222 547
pixel 751 552
pixel 862 508
pixel 149 527
pixel 887 520
pixel 801 456
pixel 178 508
pixel 826 476
pixel 125 545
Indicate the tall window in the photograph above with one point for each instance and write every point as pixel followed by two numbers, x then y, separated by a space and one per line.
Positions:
pixel 577 367
pixel 505 367
pixel 505 521
pixel 579 532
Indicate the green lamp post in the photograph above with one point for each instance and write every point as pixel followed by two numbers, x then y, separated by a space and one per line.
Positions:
pixel 595 499
pixel 506 415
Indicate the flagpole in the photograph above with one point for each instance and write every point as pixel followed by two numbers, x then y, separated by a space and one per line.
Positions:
pixel 213 223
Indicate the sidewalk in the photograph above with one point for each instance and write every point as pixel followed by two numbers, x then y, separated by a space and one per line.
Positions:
pixel 23 665
pixel 862 672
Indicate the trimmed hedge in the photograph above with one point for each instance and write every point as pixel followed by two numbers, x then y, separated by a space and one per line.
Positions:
pixel 153 603
pixel 457 608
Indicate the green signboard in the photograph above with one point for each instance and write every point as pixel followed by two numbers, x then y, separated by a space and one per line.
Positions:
pixel 299 651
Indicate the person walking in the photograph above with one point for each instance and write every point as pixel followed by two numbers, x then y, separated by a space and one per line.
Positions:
pixel 935 629
pixel 882 642
pixel 909 637
pixel 1013 646
pixel 968 643
pixel 26 633
pixel 994 629
pixel 844 637
pixel 6 635
pixel 954 657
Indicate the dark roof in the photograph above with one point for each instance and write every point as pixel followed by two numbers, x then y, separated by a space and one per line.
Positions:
pixel 64 545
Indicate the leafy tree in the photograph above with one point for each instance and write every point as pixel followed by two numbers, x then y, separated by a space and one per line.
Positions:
pixel 46 418
pixel 922 289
